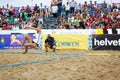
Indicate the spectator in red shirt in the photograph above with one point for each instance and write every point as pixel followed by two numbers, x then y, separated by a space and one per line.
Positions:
pixel 108 26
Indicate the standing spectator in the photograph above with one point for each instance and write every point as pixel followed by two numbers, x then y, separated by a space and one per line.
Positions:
pixel 91 6
pixel 20 14
pixel 95 4
pixel 41 10
pixel 54 8
pixel 67 7
pixel 41 7
pixel 63 12
pixel 4 11
pixel 28 8
pixel 42 13
pixel 84 11
pixel 72 6
pixel 85 4
pixel 11 9
pixel 47 13
pixel 104 4
pixel 23 8
pixel 110 8
pixel 59 6
pixel 36 8
pixel 78 8
pixel 29 12
pixel 7 6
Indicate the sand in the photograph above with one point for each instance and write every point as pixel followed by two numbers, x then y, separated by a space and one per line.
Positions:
pixel 95 65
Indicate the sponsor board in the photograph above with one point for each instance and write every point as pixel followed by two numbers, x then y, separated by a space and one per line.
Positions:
pixel 69 41
pixel 12 41
pixel 106 42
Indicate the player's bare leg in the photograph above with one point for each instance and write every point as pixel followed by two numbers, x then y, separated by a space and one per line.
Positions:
pixel 26 49
pixel 27 45
pixel 46 47
pixel 54 48
pixel 27 37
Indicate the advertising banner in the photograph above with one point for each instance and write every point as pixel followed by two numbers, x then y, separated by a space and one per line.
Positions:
pixel 69 41
pixel 8 41
pixel 106 42
pixel 12 41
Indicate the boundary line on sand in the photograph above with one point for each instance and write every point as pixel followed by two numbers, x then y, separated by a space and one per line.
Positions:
pixel 53 59
pixel 39 61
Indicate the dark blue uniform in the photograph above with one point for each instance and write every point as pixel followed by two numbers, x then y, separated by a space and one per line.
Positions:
pixel 50 41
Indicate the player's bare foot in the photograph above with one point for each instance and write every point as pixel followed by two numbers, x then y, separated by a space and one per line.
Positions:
pixel 46 51
pixel 53 50
pixel 24 52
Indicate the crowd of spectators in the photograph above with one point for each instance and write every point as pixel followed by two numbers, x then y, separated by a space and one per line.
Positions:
pixel 72 15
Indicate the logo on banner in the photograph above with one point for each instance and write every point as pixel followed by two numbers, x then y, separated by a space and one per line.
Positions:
pixel 15 40
pixel 69 44
pixel 2 40
pixel 106 42
pixel 69 41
